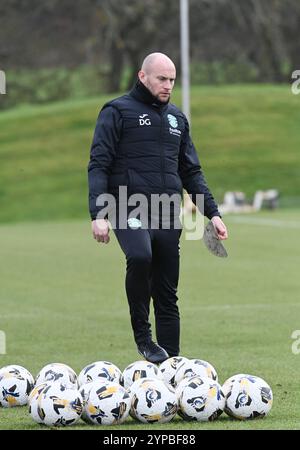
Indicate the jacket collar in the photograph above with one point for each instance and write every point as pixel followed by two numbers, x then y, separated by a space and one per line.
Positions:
pixel 141 93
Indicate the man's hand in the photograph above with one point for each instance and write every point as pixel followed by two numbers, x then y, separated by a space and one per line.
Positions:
pixel 219 227
pixel 100 229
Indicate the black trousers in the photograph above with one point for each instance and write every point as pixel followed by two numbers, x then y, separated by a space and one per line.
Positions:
pixel 152 270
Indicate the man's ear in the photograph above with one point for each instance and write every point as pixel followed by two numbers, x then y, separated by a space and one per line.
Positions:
pixel 141 75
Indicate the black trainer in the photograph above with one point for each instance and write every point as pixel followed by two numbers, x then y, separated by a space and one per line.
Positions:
pixel 153 352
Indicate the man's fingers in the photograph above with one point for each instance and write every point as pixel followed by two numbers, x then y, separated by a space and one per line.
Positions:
pixel 102 238
pixel 222 233
pixel 220 228
pixel 98 237
pixel 106 239
pixel 100 231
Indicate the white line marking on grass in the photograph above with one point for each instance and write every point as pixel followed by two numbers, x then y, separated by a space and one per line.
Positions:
pixel 34 315
pixel 246 305
pixel 267 222
pixel 18 316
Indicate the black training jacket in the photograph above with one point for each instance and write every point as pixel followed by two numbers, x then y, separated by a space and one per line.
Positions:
pixel 145 145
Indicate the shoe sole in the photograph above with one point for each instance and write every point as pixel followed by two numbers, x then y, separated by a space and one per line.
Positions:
pixel 153 362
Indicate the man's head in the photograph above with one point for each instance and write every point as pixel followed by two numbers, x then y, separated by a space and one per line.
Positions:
pixel 158 74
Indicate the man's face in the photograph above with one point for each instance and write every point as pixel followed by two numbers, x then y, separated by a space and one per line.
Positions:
pixel 160 81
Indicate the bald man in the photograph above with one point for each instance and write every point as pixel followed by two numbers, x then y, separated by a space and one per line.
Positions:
pixel 142 145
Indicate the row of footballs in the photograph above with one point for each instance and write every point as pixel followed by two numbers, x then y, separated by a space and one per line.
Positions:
pixel 106 395
pixel 171 372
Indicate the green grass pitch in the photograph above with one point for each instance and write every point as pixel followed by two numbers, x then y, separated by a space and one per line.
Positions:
pixel 63 300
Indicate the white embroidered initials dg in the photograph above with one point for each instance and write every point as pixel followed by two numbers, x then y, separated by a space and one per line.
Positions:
pixel 144 120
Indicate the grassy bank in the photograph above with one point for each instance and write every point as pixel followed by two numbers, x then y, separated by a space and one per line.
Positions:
pixel 247 138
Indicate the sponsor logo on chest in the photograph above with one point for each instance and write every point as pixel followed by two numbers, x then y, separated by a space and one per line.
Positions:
pixel 173 125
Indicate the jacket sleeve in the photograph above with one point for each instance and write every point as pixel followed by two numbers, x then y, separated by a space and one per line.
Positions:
pixel 191 175
pixel 103 151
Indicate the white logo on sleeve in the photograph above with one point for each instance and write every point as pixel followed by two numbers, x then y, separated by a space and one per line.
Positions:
pixel 144 120
pixel 134 223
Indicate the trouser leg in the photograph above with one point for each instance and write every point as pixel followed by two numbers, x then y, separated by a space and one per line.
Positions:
pixel 165 275
pixel 136 245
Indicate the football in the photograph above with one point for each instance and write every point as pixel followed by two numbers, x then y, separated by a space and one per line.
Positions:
pixel 195 367
pixel 16 383
pixel 100 370
pixel 106 404
pixel 180 386
pixel 18 370
pixel 153 401
pixel 201 399
pixel 169 368
pixel 227 384
pixel 57 372
pixel 34 402
pixel 85 391
pixel 140 369
pixel 247 397
pixel 57 405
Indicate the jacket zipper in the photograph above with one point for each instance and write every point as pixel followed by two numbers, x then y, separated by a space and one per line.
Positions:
pixel 162 153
